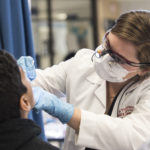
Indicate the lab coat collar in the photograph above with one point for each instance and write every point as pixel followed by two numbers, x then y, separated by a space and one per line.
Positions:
pixel 132 86
pixel 94 78
pixel 100 92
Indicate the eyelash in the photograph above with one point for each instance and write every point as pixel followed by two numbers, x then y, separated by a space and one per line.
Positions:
pixel 119 60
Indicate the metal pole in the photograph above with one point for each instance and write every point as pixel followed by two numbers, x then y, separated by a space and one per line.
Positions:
pixel 50 36
pixel 94 22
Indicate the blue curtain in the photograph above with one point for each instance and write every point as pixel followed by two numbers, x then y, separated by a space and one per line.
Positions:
pixel 16 36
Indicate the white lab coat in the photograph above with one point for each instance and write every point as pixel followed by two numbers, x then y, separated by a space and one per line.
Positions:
pixel 76 78
pixel 145 146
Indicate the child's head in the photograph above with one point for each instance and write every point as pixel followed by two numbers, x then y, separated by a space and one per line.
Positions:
pixel 16 97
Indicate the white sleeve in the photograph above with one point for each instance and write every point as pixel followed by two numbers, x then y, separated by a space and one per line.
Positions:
pixel 145 146
pixel 109 133
pixel 53 79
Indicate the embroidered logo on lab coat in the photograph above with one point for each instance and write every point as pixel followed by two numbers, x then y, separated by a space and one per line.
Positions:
pixel 125 111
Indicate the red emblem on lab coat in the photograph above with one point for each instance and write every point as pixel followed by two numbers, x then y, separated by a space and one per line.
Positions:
pixel 125 111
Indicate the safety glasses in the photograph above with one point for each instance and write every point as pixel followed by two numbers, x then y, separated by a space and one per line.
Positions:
pixel 105 49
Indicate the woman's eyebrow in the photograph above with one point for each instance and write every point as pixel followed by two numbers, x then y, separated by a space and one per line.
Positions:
pixel 116 52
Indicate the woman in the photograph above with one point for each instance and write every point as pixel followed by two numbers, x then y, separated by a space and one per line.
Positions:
pixel 109 89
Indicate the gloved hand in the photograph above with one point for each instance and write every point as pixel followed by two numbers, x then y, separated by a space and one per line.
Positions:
pixel 52 105
pixel 27 64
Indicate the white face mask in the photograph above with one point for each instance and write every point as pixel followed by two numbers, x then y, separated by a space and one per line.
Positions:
pixel 109 70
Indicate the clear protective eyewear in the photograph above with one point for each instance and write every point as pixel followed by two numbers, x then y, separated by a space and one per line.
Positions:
pixel 105 49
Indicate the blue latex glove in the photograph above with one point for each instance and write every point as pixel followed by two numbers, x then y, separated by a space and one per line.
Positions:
pixel 27 64
pixel 52 105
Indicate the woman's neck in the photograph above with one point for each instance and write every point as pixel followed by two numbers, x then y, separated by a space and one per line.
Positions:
pixel 115 87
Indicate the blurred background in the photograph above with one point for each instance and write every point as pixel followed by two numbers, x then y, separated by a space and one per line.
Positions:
pixel 62 27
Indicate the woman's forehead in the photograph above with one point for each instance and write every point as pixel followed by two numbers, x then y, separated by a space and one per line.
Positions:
pixel 123 47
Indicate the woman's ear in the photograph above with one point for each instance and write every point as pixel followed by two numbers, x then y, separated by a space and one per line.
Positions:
pixel 143 72
pixel 25 104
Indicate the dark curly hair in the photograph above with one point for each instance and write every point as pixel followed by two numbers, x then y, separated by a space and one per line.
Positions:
pixel 11 87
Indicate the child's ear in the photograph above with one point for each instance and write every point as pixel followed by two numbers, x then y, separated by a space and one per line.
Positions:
pixel 24 103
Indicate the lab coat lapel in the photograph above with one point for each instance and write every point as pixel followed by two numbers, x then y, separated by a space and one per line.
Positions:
pixel 100 92
pixel 133 87
pixel 122 97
